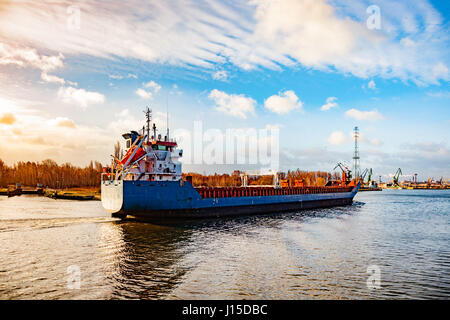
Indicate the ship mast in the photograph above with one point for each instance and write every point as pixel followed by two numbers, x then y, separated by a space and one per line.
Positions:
pixel 148 115
pixel 356 155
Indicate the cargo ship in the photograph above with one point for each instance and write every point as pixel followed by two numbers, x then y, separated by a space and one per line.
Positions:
pixel 146 183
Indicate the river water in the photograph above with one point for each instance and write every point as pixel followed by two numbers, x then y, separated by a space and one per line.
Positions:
pixel 393 244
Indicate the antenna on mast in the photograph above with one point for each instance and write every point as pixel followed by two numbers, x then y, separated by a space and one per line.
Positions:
pixel 148 116
pixel 356 154
pixel 167 114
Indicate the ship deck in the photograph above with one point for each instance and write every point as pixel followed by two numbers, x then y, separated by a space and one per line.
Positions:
pixel 231 192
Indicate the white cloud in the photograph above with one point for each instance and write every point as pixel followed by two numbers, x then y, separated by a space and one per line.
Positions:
pixel 24 56
pixel 143 94
pixel 371 85
pixel 236 105
pixel 318 34
pixel 80 97
pixel 284 102
pixel 373 115
pixel 120 77
pixel 153 86
pixel 220 75
pixel 63 122
pixel 331 103
pixel 337 138
pixel 49 78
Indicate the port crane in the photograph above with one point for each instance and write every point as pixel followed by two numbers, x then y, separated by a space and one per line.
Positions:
pixel 369 177
pixel 346 173
pixel 363 175
pixel 396 177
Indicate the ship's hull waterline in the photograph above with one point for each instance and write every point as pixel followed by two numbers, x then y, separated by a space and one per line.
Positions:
pixel 166 201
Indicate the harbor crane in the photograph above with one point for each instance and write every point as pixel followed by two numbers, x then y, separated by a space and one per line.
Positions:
pixel 369 177
pixel 346 173
pixel 397 175
pixel 367 172
pixel 363 175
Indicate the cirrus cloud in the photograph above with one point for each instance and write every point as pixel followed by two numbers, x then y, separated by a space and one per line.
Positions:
pixel 249 35
pixel 356 114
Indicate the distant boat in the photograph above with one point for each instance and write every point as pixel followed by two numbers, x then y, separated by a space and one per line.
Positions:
pixel 69 196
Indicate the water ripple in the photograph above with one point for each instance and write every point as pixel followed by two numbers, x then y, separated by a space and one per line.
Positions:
pixel 314 254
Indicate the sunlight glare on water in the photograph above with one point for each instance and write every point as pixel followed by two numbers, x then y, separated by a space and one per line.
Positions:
pixel 314 254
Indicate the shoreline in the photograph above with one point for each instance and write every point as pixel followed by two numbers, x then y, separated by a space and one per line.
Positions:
pixel 77 193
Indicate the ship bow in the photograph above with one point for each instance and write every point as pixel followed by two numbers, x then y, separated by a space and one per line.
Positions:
pixel 112 196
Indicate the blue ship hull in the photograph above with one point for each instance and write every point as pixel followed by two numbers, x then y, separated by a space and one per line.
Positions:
pixel 172 200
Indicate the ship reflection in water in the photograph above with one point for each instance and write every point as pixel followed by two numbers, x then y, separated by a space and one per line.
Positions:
pixel 311 254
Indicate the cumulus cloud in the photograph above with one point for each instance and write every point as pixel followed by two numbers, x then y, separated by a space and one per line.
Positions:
pixel 153 86
pixel 237 105
pixel 371 85
pixel 337 138
pixel 7 118
pixel 144 94
pixel 80 97
pixel 49 78
pixel 330 103
pixel 284 102
pixel 63 122
pixel 320 34
pixel 356 114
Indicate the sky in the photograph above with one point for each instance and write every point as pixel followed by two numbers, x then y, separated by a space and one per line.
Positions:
pixel 75 75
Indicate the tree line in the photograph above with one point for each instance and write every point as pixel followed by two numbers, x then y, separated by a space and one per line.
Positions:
pixel 309 178
pixel 50 174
